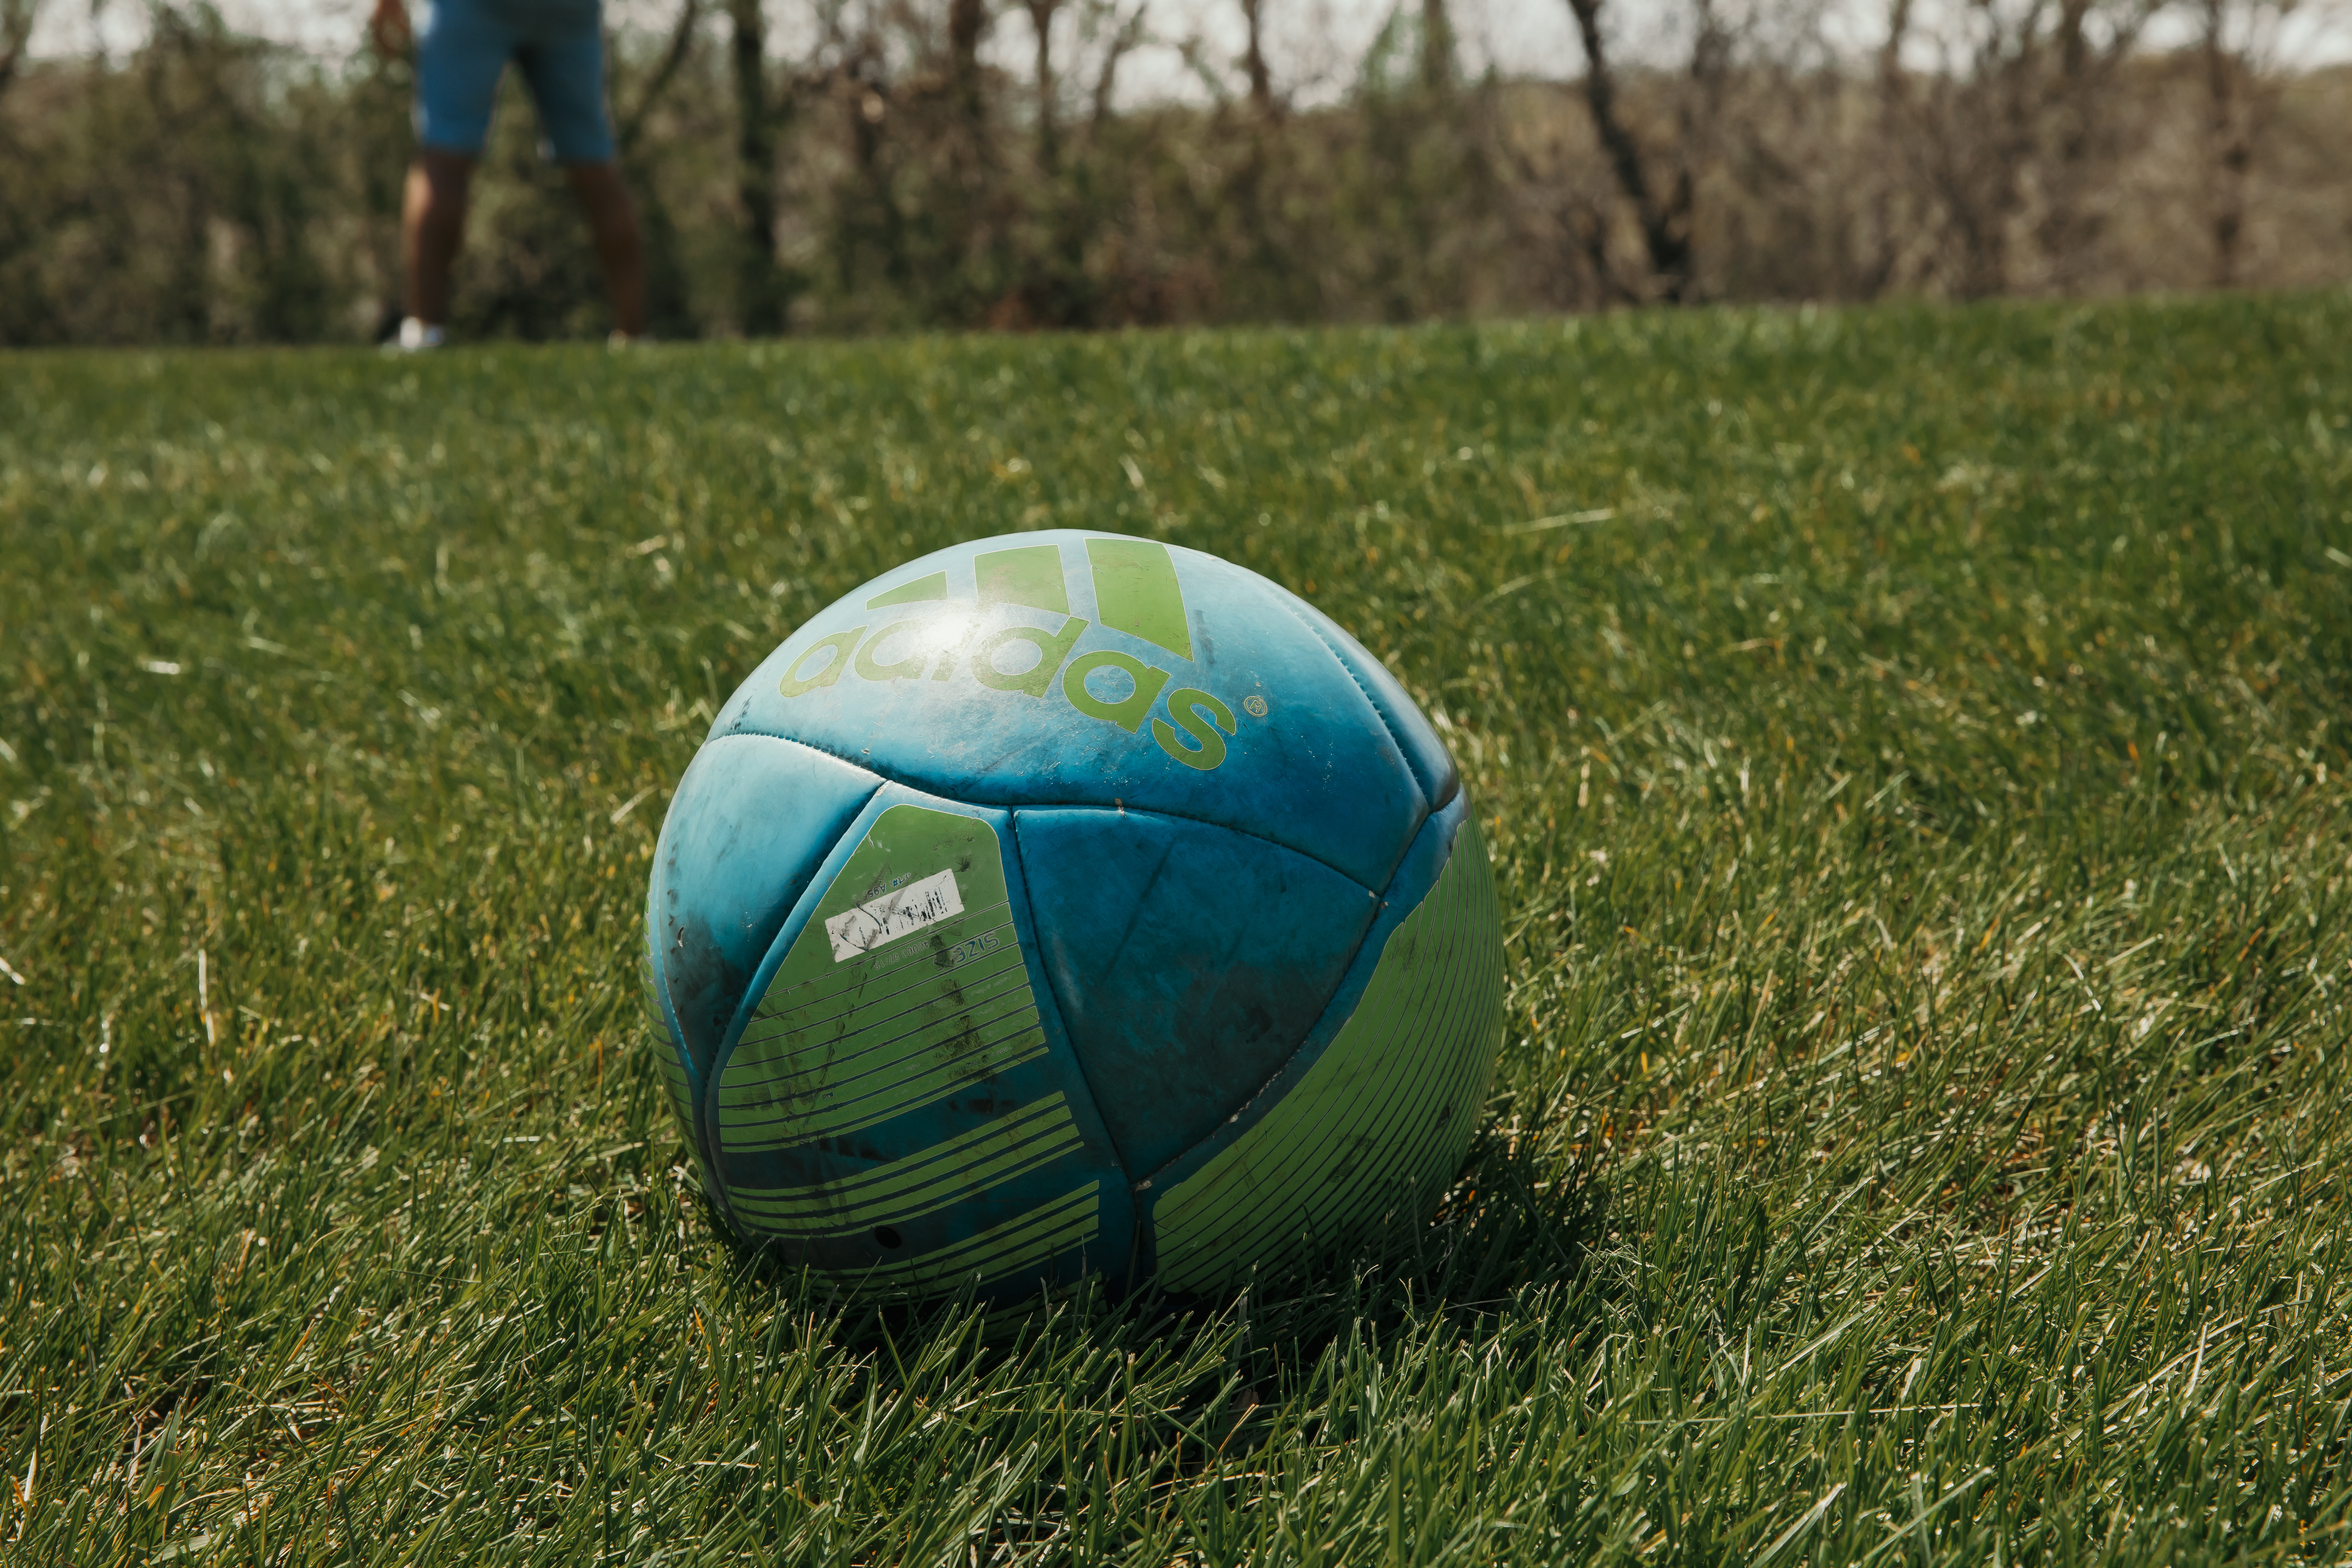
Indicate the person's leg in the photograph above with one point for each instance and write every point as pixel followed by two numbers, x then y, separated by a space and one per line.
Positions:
pixel 460 55
pixel 565 68
pixel 433 227
pixel 613 225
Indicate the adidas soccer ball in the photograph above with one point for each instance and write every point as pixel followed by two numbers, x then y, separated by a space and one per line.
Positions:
pixel 1063 905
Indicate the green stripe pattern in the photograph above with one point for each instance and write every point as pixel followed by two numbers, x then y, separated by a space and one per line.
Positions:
pixel 882 1034
pixel 1136 592
pixel 1030 575
pixel 921 591
pixel 924 1181
pixel 1386 1112
pixel 1023 1242
pixel 837 1046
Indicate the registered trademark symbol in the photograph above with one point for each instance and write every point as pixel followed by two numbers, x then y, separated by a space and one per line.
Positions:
pixel 1254 706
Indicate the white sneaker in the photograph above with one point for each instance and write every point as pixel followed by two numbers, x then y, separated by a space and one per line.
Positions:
pixel 416 336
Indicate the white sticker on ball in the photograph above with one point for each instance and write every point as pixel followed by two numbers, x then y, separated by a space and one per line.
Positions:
pixel 909 909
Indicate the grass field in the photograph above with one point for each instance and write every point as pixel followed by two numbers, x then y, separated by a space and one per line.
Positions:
pixel 1914 749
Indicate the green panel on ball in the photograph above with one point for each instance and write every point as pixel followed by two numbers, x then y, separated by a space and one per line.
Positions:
pixel 1060 1225
pixel 838 1045
pixel 1029 575
pixel 1136 592
pixel 898 1113
pixel 925 1181
pixel 921 591
pixel 1387 1109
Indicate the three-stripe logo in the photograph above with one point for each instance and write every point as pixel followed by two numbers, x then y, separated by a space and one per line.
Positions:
pixel 1136 591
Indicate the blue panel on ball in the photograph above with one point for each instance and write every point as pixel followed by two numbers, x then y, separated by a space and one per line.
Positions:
pixel 1423 864
pixel 750 822
pixel 898 1106
pixel 1433 765
pixel 1175 683
pixel 1189 962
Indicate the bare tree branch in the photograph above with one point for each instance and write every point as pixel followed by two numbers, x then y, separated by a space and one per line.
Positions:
pixel 1665 226
pixel 1894 99
pixel 1049 141
pixel 2239 41
pixel 761 303
pixel 1124 38
pixel 1261 81
pixel 681 44
pixel 966 26
pixel 1437 62
pixel 17 18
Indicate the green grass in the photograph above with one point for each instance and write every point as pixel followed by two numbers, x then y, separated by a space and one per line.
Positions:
pixel 1914 749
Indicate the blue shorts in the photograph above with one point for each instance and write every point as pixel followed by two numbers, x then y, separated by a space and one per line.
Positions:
pixel 560 45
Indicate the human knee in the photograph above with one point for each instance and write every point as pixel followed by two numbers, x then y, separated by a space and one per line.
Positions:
pixel 438 181
pixel 605 198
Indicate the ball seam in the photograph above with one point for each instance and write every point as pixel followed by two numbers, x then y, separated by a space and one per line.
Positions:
pixel 887 777
pixel 1428 806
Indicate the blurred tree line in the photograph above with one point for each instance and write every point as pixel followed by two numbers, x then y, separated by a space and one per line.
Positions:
pixel 211 186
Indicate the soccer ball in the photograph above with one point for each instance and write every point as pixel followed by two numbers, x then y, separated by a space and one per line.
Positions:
pixel 1066 905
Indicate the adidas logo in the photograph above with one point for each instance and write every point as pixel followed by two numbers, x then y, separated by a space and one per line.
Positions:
pixel 1136 592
